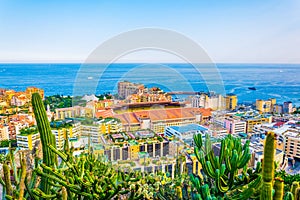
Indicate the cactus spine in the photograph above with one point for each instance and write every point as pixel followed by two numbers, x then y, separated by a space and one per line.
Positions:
pixel 268 167
pixel 47 138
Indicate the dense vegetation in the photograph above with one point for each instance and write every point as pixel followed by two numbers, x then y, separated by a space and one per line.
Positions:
pixel 29 130
pixel 58 101
pixel 6 143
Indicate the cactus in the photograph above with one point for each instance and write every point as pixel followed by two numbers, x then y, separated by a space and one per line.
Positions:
pixel 222 170
pixel 64 193
pixel 85 177
pixel 279 189
pixel 295 185
pixel 268 167
pixel 289 196
pixel 8 186
pixel 297 194
pixel 47 138
pixel 22 178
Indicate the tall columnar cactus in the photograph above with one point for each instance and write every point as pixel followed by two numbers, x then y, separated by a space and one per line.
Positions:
pixel 64 193
pixel 279 189
pixel 7 181
pixel 297 194
pixel 22 178
pixel 295 185
pixel 268 167
pixel 47 138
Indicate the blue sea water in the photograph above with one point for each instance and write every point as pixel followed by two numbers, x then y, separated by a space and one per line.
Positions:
pixel 280 81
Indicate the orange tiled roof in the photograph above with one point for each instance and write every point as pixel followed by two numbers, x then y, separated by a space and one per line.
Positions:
pixel 104 113
pixel 162 114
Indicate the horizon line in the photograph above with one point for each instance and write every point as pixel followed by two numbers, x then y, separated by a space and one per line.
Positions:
pixel 139 62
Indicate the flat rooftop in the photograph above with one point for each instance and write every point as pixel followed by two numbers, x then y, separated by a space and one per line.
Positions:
pixel 188 128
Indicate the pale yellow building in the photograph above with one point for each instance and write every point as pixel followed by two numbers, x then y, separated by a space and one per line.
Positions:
pixel 256 121
pixel 61 135
pixel 265 106
pixel 231 101
pixel 72 112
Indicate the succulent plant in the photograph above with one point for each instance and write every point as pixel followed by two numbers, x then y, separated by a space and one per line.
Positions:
pixel 221 171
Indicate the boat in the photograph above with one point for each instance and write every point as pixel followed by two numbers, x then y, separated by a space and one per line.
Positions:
pixel 251 88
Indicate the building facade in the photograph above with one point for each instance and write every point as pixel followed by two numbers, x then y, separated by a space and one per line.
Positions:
pixel 265 106
pixel 231 101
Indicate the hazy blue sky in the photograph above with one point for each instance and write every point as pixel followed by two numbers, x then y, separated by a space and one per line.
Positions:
pixel 230 31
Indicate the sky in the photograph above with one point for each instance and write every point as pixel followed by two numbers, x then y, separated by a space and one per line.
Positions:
pixel 231 31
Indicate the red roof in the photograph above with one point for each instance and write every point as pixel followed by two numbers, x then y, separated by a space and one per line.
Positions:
pixel 162 114
pixel 279 124
pixel 104 113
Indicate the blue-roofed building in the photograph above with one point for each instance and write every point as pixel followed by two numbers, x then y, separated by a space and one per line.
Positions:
pixel 185 133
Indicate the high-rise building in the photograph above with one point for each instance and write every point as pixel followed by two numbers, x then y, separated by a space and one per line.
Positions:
pixel 287 107
pixel 278 109
pixel 126 88
pixel 215 101
pixel 231 101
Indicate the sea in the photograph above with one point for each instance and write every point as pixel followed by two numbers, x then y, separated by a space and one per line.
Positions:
pixel 280 81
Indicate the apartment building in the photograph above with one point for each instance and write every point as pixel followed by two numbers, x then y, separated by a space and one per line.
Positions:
pixel 126 89
pixel 61 134
pixel 135 144
pixel 73 112
pixel 110 125
pixel 265 106
pixel 278 109
pixel 292 142
pixel 287 107
pixel 251 118
pixel 235 126
pixel 231 101
pixel 27 141
pixel 208 100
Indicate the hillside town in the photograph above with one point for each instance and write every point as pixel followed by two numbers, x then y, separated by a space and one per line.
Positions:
pixel 146 129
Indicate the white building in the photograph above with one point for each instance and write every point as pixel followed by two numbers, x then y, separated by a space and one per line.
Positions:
pixel 185 133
